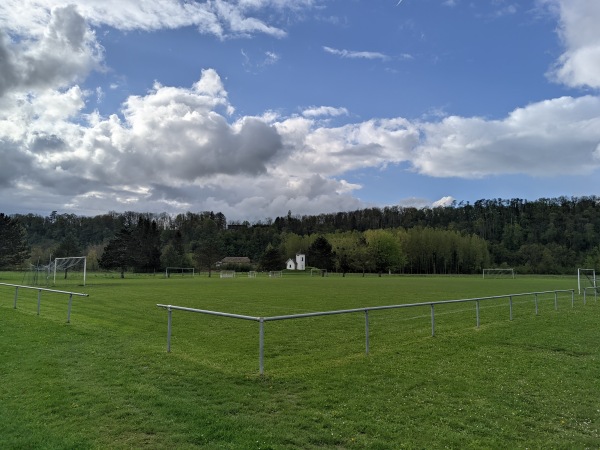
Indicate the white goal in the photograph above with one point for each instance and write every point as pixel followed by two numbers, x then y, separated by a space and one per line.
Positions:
pixel 275 274
pixel 499 273
pixel 252 274
pixel 74 267
pixel 179 270
pixel 586 278
pixel 38 274
pixel 318 272
pixel 227 274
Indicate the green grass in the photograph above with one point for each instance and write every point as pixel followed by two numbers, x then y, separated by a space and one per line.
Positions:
pixel 105 380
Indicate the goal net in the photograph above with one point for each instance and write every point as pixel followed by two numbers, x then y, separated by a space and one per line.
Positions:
pixel 586 278
pixel 38 275
pixel 499 273
pixel 73 268
pixel 318 272
pixel 179 271
pixel 252 274
pixel 227 274
pixel 275 274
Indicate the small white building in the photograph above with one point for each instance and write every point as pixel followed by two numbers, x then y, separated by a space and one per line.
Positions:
pixel 299 264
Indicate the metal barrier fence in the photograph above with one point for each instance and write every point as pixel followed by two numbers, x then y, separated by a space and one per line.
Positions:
pixel 39 297
pixel 365 310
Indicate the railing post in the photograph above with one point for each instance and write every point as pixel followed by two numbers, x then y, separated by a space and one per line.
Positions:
pixel 536 303
pixel 432 321
pixel 573 298
pixel 510 306
pixel 556 300
pixel 367 331
pixel 39 301
pixel 584 296
pixel 261 346
pixel 169 320
pixel 477 309
pixel 69 308
pixel 16 295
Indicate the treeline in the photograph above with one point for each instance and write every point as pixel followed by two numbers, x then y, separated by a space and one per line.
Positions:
pixel 543 236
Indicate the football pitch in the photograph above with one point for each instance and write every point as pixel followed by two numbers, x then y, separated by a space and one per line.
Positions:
pixel 105 380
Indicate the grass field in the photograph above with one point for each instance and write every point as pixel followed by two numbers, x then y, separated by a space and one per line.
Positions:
pixel 105 380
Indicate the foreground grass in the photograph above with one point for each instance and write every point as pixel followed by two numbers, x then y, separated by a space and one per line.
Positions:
pixel 105 380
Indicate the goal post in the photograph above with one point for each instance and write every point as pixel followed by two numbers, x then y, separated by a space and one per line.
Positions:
pixel 499 273
pixel 179 270
pixel 586 278
pixel 70 262
pixel 318 272
pixel 275 274
pixel 227 274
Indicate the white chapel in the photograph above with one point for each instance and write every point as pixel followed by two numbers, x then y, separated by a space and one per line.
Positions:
pixel 299 264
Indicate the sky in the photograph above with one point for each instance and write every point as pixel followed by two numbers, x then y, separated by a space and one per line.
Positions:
pixel 258 108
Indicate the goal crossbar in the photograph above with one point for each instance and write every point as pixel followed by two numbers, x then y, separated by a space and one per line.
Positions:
pixel 181 270
pixel 499 271
pixel 69 262
pixel 586 274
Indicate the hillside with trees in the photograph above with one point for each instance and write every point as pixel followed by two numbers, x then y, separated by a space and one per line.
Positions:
pixel 550 236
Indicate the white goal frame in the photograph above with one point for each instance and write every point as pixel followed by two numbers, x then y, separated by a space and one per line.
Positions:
pixel 252 274
pixel 275 274
pixel 55 265
pixel 319 272
pixel 227 274
pixel 584 273
pixel 182 270
pixel 507 270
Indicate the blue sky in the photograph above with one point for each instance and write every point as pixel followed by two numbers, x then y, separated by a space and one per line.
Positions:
pixel 259 107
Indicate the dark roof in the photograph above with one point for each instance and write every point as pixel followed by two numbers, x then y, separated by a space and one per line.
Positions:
pixel 235 260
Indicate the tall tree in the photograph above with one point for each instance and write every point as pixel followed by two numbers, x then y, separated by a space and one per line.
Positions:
pixel 272 259
pixel 320 254
pixel 208 248
pixel 14 249
pixel 120 252
pixel 69 246
pixel 147 250
pixel 384 251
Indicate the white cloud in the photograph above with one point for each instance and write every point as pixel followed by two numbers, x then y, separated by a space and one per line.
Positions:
pixel 318 111
pixel 548 138
pixel 65 52
pixel 579 65
pixel 444 201
pixel 220 18
pixel 177 148
pixel 351 54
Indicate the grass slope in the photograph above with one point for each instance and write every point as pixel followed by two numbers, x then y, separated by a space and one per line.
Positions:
pixel 105 380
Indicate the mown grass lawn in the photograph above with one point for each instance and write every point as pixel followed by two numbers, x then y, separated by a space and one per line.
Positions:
pixel 105 380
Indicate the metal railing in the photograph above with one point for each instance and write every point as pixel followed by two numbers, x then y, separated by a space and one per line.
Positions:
pixel 39 297
pixel 365 310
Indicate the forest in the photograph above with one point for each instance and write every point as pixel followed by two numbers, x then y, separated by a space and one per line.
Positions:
pixel 545 236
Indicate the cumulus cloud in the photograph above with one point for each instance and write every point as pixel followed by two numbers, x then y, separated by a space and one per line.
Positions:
pixel 179 148
pixel 65 52
pixel 552 137
pixel 319 111
pixel 579 65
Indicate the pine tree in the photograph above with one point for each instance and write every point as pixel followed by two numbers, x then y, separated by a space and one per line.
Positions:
pixel 120 252
pixel 14 249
